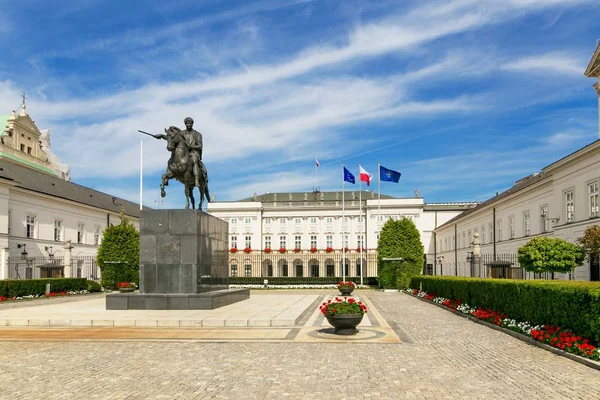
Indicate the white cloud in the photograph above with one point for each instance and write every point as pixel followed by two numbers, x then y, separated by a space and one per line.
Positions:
pixel 553 62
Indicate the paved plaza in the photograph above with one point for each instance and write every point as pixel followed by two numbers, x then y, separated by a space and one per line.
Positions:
pixel 429 354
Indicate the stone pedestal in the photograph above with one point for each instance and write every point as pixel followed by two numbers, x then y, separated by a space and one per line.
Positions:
pixel 183 263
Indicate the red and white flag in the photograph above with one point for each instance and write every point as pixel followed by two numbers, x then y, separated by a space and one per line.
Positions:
pixel 317 162
pixel 364 175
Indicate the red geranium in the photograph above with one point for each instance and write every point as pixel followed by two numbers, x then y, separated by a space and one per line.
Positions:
pixel 296 250
pixel 247 250
pixel 233 250
pixel 126 285
pixel 313 250
pixel 267 249
pixel 329 249
pixel 282 250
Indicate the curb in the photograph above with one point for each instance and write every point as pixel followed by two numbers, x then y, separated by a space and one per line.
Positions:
pixel 587 362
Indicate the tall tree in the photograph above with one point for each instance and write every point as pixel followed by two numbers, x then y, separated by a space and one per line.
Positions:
pixel 399 240
pixel 119 254
pixel 590 242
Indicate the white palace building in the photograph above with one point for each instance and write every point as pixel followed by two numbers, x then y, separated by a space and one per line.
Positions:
pixel 303 234
pixel 49 226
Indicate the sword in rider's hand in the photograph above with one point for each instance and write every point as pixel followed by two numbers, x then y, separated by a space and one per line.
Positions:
pixel 149 134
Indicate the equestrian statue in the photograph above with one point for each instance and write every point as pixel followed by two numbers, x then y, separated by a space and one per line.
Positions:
pixel 185 163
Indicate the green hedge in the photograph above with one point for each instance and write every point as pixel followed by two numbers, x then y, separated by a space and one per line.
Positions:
pixel 26 287
pixel 291 280
pixel 568 304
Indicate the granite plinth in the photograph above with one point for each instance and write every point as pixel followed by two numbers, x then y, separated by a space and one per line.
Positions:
pixel 173 301
pixel 182 252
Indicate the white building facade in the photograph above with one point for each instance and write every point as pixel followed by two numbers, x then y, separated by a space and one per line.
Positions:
pixel 49 226
pixel 310 234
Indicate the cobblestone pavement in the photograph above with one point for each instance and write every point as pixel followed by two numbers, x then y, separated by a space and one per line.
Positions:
pixel 443 356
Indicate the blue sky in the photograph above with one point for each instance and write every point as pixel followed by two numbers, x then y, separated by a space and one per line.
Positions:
pixel 462 97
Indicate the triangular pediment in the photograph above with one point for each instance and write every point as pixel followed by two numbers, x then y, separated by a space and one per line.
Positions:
pixel 25 121
pixel 593 68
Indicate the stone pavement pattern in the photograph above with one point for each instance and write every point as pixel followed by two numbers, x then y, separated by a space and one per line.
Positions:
pixel 443 356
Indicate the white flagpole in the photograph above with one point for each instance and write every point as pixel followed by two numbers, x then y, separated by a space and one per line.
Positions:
pixel 316 175
pixel 343 230
pixel 361 216
pixel 141 171
pixel 379 198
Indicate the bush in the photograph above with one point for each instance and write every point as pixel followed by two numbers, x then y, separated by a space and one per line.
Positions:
pixel 545 254
pixel 93 286
pixel 119 254
pixel 399 239
pixel 569 304
pixel 590 242
pixel 27 287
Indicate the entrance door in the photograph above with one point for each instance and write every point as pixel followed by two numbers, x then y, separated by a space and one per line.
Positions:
pixel 595 269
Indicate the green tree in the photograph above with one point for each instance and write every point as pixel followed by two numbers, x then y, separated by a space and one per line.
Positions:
pixel 590 242
pixel 545 254
pixel 399 239
pixel 119 254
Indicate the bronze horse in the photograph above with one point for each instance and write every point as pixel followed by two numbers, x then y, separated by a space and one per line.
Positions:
pixel 180 167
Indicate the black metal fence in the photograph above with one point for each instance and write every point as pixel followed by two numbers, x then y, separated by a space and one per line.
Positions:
pixel 502 266
pixel 53 267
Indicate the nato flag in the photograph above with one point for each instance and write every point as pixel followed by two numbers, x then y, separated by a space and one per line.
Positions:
pixel 348 177
pixel 389 175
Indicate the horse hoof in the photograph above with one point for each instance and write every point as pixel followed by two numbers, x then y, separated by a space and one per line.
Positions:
pixel 163 193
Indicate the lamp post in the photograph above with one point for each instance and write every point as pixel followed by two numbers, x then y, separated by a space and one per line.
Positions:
pixel 440 259
pixel 50 252
pixel 24 252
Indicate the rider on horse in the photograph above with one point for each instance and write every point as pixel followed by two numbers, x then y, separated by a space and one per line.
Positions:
pixel 193 141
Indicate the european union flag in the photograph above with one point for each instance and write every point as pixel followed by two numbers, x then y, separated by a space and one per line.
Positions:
pixel 348 177
pixel 389 175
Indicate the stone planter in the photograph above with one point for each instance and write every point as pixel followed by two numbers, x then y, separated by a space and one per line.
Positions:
pixel 126 289
pixel 345 324
pixel 346 291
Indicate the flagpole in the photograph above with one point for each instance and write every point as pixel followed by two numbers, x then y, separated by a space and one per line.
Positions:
pixel 316 175
pixel 379 198
pixel 141 171
pixel 343 231
pixel 360 213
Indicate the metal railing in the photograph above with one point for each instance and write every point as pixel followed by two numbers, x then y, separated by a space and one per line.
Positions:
pixel 53 267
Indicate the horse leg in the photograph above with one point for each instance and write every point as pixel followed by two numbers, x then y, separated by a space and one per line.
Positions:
pixel 191 194
pixel 186 189
pixel 165 182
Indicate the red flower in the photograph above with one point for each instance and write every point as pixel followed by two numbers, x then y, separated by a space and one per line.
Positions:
pixel 233 250
pixel 247 250
pixel 282 250
pixel 313 250
pixel 329 249
pixel 267 249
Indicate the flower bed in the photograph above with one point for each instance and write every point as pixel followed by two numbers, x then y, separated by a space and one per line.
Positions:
pixel 290 286
pixel 45 296
pixel 554 336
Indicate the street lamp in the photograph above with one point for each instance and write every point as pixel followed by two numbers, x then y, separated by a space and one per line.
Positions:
pixel 440 260
pixel 24 252
pixel 49 251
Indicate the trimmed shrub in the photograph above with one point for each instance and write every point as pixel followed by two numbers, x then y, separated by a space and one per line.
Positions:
pixel 399 239
pixel 119 254
pixel 27 287
pixel 93 286
pixel 545 254
pixel 569 304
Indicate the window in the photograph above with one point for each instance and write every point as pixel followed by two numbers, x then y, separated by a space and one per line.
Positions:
pixel 490 229
pixel 329 240
pixel 58 230
pixel 284 270
pixel 267 242
pixel 299 269
pixel 282 242
pixel 347 219
pixel 80 233
pixel 345 240
pixel 282 220
pixel 9 221
pixel 248 242
pixel 511 227
pixel 248 220
pixel 267 221
pixel 313 241
pixel 499 228
pixel 233 221
pixel 298 242
pixel 23 148
pixel 313 220
pixel 96 236
pixel 469 238
pixel 234 270
pixel 247 269
pixel 593 198
pixel 482 234
pixel 298 221
pixel 330 269
pixel 269 269
pixel 30 227
pixel 445 247
pixel 545 219
pixel 314 270
pixel 360 219
pixel 28 150
pixel 234 242
pixel 464 240
pixel 359 241
pixel 526 224
pixel 569 206
pixel 329 220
